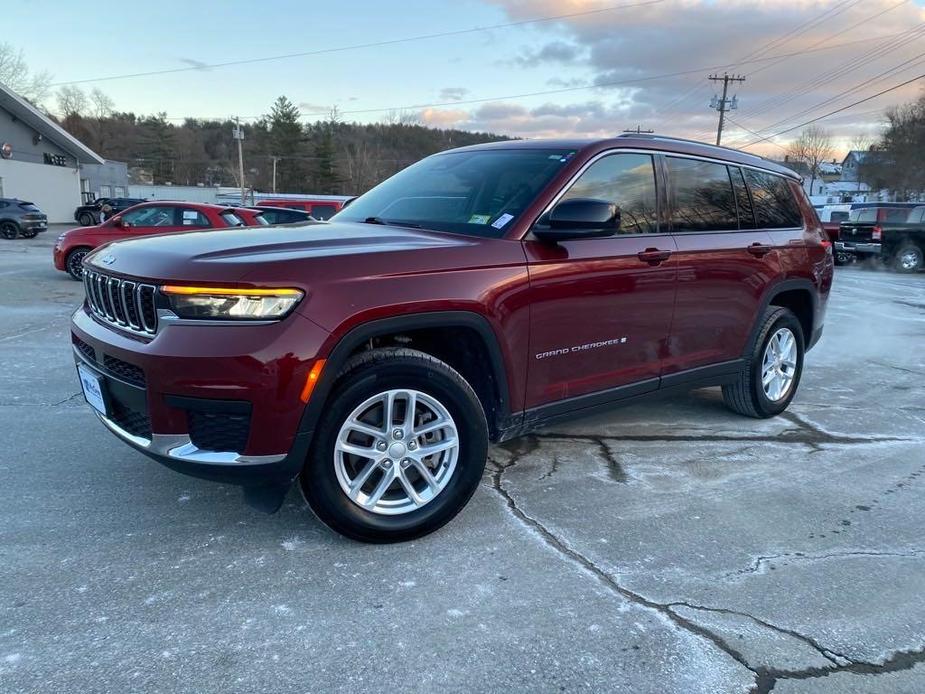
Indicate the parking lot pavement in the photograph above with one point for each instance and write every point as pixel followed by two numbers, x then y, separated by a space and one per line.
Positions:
pixel 669 547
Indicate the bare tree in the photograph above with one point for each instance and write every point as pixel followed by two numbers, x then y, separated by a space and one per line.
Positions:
pixel 72 102
pixel 101 109
pixel 813 148
pixel 15 74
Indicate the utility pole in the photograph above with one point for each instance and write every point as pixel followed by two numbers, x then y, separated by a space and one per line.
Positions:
pixel 238 134
pixel 275 159
pixel 724 104
pixel 638 130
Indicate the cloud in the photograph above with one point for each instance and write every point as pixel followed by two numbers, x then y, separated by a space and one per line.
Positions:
pixel 553 52
pixel 677 36
pixel 452 93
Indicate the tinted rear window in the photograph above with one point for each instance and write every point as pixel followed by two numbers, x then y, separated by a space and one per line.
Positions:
pixel 702 198
pixel 838 216
pixel 232 220
pixel 867 214
pixel 29 207
pixel 894 214
pixel 775 206
pixel 323 211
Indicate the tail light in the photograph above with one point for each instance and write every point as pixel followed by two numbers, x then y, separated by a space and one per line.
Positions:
pixel 877 233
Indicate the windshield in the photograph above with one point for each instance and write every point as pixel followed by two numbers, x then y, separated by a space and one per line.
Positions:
pixel 478 193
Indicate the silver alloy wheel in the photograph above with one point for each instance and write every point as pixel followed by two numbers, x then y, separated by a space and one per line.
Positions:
pixel 909 259
pixel 396 452
pixel 779 365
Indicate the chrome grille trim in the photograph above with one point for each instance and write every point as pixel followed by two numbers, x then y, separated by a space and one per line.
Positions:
pixel 121 302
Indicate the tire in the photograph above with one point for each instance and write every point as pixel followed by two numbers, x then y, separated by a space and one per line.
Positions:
pixel 842 258
pixel 86 219
pixel 908 259
pixel 748 395
pixel 9 230
pixel 74 263
pixel 395 516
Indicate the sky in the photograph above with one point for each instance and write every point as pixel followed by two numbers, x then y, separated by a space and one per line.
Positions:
pixel 588 68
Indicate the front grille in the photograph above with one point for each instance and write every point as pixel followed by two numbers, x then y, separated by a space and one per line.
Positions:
pixel 125 371
pixel 84 348
pixel 218 431
pixel 124 303
pixel 134 422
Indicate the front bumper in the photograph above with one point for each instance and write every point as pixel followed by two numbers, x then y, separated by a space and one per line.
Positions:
pixel 178 396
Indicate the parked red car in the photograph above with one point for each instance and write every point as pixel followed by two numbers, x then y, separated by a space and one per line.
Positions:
pixel 156 217
pixel 323 207
pixel 473 297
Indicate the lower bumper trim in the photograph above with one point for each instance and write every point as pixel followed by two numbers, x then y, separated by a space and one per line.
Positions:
pixel 178 447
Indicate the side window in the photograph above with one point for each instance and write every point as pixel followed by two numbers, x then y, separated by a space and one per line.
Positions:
pixel 628 180
pixel 701 196
pixel 323 211
pixel 895 215
pixel 193 218
pixel 775 206
pixel 743 199
pixel 155 216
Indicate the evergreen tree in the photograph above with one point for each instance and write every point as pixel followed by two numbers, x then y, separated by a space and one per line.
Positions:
pixel 285 143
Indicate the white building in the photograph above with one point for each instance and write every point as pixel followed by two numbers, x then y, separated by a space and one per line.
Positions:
pixel 39 160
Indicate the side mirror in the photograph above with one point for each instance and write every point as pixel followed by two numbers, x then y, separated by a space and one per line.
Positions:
pixel 581 218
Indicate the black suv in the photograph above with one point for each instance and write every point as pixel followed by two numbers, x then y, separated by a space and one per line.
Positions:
pixel 20 218
pixel 89 215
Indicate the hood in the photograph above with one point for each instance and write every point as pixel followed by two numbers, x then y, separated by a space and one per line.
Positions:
pixel 240 254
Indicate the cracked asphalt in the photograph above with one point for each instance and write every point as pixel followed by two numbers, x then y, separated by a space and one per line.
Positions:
pixel 667 547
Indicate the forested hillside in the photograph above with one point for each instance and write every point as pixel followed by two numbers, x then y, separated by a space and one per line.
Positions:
pixel 328 156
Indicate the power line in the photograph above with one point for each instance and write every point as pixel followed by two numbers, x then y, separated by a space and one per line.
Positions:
pixel 371 44
pixel 886 47
pixel 724 104
pixel 877 78
pixel 838 110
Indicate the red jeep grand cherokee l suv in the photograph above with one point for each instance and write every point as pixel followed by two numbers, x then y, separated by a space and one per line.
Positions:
pixel 477 295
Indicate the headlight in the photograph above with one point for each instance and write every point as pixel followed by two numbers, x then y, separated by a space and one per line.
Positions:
pixel 228 303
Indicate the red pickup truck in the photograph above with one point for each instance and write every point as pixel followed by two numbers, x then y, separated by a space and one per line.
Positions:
pixel 473 297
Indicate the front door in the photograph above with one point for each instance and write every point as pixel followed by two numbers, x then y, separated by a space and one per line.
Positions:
pixel 601 308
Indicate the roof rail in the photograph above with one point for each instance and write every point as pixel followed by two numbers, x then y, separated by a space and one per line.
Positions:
pixel 669 138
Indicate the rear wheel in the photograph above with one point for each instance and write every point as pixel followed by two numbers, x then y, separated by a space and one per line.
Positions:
pixel 9 230
pixel 908 258
pixel 399 450
pixel 769 379
pixel 74 263
pixel 86 219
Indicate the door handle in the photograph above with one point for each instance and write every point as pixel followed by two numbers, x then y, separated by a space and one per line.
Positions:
pixel 759 249
pixel 653 256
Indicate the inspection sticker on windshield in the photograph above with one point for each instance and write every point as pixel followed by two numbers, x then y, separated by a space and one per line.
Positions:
pixel 479 219
pixel 502 220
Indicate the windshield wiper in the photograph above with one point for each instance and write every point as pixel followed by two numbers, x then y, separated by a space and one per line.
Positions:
pixel 380 220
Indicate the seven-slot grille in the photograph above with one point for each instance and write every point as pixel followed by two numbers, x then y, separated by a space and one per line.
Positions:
pixel 124 303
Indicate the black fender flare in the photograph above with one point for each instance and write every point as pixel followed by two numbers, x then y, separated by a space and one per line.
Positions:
pixel 355 337
pixel 775 290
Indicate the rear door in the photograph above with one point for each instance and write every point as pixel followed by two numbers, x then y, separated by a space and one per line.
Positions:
pixel 724 264
pixel 600 313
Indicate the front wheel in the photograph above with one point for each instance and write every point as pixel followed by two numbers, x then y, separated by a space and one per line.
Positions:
pixel 769 379
pixel 908 259
pixel 9 230
pixel 75 263
pixel 399 450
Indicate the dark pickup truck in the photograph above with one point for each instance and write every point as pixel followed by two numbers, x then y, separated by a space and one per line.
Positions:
pixel 894 235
